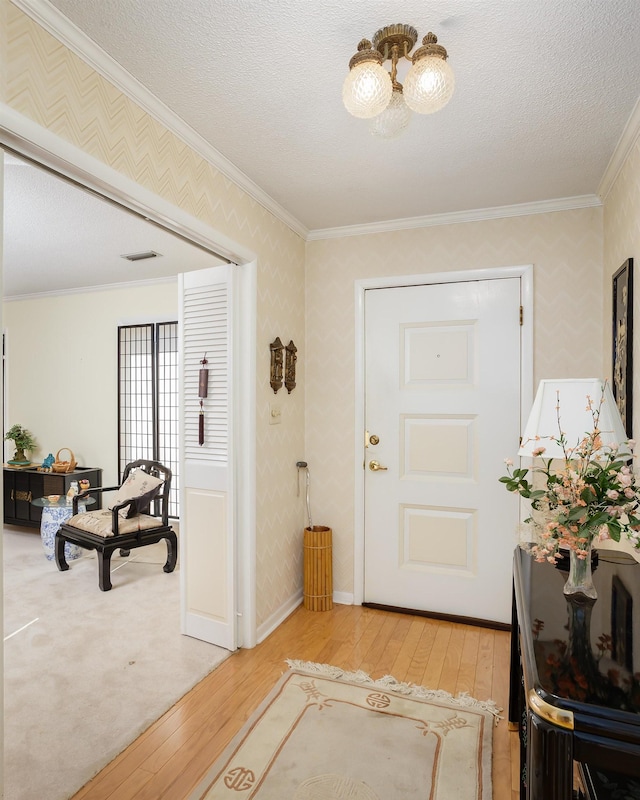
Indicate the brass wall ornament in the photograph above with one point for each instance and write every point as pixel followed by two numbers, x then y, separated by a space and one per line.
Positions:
pixel 290 366
pixel 276 348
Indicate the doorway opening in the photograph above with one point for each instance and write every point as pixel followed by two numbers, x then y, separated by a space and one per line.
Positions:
pixel 31 144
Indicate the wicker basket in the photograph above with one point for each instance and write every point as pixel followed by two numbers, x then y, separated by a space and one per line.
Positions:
pixel 64 466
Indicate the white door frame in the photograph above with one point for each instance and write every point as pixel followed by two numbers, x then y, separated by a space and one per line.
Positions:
pixel 525 273
pixel 26 138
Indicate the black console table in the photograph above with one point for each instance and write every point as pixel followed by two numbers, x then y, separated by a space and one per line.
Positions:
pixel 22 486
pixel 575 676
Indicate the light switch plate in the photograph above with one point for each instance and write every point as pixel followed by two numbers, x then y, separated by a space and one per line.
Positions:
pixel 275 414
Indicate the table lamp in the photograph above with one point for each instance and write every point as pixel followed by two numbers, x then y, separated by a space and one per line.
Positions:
pixel 576 420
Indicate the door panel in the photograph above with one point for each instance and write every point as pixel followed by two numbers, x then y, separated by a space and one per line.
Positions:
pixel 207 522
pixel 442 366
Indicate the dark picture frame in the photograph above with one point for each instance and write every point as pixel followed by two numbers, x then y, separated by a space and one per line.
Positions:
pixel 622 361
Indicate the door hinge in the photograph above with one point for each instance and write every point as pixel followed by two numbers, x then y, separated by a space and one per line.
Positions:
pixel 521 315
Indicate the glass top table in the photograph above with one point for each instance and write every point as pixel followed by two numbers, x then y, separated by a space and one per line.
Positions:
pixel 44 502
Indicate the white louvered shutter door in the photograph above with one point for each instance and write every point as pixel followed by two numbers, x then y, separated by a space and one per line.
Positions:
pixel 207 523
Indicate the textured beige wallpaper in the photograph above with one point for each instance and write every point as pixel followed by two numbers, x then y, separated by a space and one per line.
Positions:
pixel 566 251
pixel 622 241
pixel 44 81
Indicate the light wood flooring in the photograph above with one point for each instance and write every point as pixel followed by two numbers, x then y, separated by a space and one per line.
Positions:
pixel 169 759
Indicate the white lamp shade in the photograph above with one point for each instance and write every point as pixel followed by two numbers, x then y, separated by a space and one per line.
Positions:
pixel 576 421
pixel 367 90
pixel 393 120
pixel 429 85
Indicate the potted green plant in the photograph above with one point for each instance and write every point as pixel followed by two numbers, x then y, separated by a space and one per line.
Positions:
pixel 23 440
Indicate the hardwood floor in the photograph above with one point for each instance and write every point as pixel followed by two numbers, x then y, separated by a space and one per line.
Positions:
pixel 168 760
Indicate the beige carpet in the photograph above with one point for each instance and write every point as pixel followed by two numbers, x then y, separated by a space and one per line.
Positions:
pixel 87 671
pixel 325 734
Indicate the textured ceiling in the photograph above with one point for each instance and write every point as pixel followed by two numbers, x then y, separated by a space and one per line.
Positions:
pixel 58 237
pixel 544 89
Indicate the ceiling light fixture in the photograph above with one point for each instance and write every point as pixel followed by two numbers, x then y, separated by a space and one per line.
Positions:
pixel 370 92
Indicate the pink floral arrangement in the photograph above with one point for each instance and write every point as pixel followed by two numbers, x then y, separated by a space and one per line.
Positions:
pixel 594 495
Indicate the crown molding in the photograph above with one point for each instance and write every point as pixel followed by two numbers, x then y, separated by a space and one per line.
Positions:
pixel 105 287
pixel 456 217
pixel 625 143
pixel 60 27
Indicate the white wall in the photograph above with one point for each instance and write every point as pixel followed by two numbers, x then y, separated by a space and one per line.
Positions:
pixel 61 361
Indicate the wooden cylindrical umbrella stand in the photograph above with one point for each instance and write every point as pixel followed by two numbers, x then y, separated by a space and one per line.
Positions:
pixel 318 568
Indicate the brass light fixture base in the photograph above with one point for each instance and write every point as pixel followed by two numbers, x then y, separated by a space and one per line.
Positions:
pixel 430 47
pixel 402 36
pixel 365 53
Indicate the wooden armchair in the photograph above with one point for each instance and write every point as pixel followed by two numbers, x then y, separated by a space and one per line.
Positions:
pixel 137 516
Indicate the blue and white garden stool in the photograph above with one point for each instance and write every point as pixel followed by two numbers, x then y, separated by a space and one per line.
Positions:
pixel 53 516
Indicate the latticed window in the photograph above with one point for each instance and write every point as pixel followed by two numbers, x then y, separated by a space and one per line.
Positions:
pixel 148 398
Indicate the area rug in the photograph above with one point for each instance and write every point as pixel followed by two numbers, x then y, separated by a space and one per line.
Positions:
pixel 86 671
pixel 324 733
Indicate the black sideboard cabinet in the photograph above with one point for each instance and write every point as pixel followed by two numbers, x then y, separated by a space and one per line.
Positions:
pixel 21 486
pixel 575 679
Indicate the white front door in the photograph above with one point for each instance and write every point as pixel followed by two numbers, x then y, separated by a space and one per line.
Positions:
pixel 442 386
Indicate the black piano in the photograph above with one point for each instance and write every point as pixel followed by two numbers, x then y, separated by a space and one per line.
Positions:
pixel 575 679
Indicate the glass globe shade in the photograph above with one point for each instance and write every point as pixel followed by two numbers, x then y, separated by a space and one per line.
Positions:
pixel 367 90
pixel 393 120
pixel 429 85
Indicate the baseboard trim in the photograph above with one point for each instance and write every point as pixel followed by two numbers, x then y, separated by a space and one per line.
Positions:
pixel 278 616
pixel 478 623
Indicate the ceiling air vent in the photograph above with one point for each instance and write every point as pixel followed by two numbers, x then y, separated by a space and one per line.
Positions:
pixel 142 256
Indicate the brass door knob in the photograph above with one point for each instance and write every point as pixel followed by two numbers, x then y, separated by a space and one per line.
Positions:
pixel 375 466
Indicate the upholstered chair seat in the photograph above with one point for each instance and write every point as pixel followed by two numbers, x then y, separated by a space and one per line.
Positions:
pixel 100 522
pixel 137 516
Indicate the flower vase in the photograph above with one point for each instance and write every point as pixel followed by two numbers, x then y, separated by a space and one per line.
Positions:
pixel 580 580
